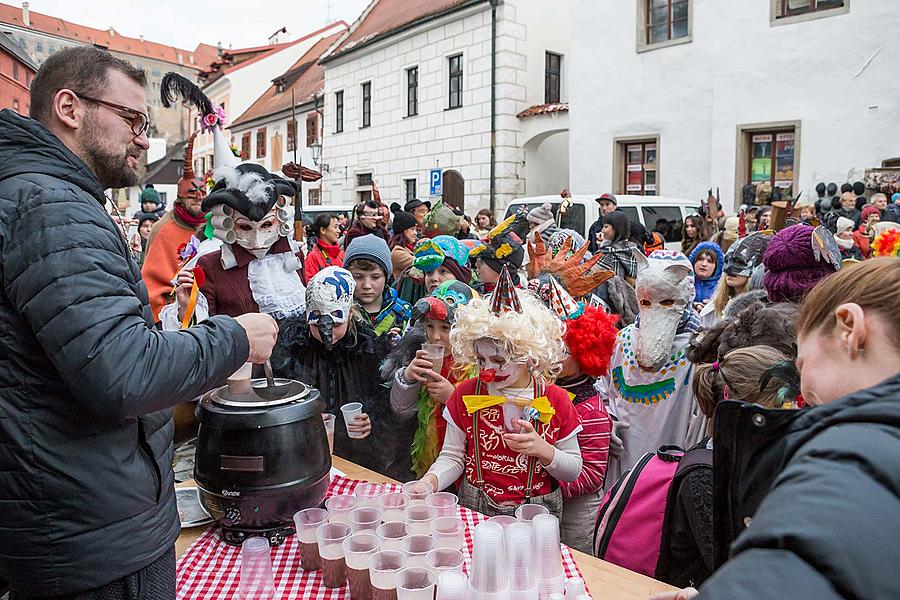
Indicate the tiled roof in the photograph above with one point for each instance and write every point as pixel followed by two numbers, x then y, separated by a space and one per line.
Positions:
pixel 383 18
pixel 306 78
pixel 107 38
pixel 544 109
pixel 13 47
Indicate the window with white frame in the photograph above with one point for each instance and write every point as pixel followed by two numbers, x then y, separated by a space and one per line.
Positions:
pixel 796 8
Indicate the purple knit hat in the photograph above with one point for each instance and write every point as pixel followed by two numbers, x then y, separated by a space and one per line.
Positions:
pixel 791 267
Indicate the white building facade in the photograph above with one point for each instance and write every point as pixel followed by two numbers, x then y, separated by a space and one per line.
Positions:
pixel 418 97
pixel 672 97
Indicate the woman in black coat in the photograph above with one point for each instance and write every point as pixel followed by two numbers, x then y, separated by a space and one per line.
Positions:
pixel 811 499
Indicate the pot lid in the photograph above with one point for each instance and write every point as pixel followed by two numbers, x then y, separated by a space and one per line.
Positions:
pixel 271 391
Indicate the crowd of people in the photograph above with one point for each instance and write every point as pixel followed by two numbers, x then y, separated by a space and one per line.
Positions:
pixel 514 362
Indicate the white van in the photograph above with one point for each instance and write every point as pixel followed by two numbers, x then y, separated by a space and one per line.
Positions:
pixel 656 213
pixel 311 212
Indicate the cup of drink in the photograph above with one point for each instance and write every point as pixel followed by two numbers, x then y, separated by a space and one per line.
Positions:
pixel 434 353
pixel 418 491
pixel 364 519
pixel 368 493
pixel 452 585
pixel 445 503
pixel 416 547
pixel 306 522
pixel 331 537
pixel 419 518
pixel 415 583
pixel 392 505
pixel 444 559
pixel 391 534
pixel 339 507
pixel 448 532
pixel 357 550
pixel 383 566
pixel 351 410
pixel 328 419
pixel 257 580
pixel 239 381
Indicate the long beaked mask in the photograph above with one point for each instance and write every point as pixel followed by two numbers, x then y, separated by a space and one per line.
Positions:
pixel 664 288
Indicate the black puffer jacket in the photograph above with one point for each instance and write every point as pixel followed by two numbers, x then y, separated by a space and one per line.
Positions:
pixel 814 496
pixel 86 484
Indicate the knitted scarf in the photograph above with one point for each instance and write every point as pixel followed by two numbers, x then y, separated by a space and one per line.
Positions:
pixel 186 217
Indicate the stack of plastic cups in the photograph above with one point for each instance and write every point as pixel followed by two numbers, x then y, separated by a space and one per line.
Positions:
pixel 527 512
pixel 523 577
pixel 503 520
pixel 257 581
pixel 452 585
pixel 574 588
pixel 357 550
pixel 488 578
pixel 548 555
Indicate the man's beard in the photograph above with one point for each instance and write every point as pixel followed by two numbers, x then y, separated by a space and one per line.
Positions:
pixel 111 168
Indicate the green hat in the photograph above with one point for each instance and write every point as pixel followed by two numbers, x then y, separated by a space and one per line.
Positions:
pixel 150 195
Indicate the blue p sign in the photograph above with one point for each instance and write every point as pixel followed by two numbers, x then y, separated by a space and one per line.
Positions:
pixel 435 179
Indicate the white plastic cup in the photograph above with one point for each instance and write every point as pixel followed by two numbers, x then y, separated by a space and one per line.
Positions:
pixel 449 532
pixel 523 580
pixel 392 505
pixel 488 576
pixel 575 588
pixel 331 538
pixel 368 493
pixel 257 581
pixel 364 519
pixel 383 566
pixel 419 518
pixel 329 420
pixel 434 353
pixel 452 585
pixel 445 559
pixel 418 491
pixel 357 550
pixel 306 522
pixel 350 411
pixel 416 548
pixel 503 521
pixel 548 555
pixel 391 534
pixel 339 507
pixel 415 583
pixel 527 512
pixel 444 503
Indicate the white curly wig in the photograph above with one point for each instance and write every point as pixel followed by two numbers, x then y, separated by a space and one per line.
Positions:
pixel 533 337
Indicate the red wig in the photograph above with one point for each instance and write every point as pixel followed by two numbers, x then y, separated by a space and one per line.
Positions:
pixel 591 339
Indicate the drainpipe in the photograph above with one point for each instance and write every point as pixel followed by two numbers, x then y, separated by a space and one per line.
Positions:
pixel 493 200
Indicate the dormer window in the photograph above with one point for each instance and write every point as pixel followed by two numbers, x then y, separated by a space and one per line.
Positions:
pixel 279 86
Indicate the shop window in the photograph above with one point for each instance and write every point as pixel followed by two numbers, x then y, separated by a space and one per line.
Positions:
pixel 772 160
pixel 639 167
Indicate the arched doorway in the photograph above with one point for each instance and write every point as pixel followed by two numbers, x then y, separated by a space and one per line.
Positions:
pixel 454 190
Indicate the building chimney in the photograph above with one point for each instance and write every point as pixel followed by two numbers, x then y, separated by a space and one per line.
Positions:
pixel 141 37
pixel 219 48
pixel 112 32
pixel 26 15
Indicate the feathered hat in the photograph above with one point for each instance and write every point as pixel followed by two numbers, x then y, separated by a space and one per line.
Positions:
pixel 503 246
pixel 505 297
pixel 570 267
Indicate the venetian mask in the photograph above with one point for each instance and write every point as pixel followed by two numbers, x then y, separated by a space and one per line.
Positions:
pixel 256 236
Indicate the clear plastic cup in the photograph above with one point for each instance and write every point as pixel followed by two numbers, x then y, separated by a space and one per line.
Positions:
pixel 257 581
pixel 527 512
pixel 513 411
pixel 368 493
pixel 415 583
pixel 445 559
pixel 392 505
pixel 416 548
pixel 434 353
pixel 340 507
pixel 503 520
pixel 523 580
pixel 419 518
pixel 331 537
pixel 449 532
pixel 575 588
pixel 383 566
pixel 364 519
pixel 306 522
pixel 548 555
pixel 391 533
pixel 418 491
pixel 488 576
pixel 329 419
pixel 444 503
pixel 452 585
pixel 350 411
pixel 357 550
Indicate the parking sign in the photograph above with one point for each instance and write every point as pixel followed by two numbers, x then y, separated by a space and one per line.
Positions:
pixel 436 181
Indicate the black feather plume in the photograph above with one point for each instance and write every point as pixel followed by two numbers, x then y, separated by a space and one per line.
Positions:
pixel 786 373
pixel 174 86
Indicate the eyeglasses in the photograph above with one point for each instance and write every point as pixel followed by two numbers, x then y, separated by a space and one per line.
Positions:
pixel 139 121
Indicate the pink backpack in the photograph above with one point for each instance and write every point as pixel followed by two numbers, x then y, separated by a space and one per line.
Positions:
pixel 633 521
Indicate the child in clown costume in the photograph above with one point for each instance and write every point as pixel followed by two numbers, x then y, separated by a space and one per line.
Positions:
pixel 511 434
pixel 416 389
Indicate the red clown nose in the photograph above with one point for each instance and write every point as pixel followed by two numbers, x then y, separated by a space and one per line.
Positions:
pixel 488 375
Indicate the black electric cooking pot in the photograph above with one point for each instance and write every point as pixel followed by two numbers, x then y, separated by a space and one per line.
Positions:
pixel 262 455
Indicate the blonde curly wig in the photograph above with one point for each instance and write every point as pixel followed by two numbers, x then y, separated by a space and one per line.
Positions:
pixel 533 337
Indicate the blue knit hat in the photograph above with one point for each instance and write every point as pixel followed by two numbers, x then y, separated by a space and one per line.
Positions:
pixel 370 247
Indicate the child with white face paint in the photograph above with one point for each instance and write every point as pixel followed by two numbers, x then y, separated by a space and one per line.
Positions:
pixel 510 432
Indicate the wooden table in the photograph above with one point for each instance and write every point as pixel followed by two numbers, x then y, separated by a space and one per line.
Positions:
pixel 606 581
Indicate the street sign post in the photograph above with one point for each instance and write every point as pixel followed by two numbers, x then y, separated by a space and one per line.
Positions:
pixel 436 182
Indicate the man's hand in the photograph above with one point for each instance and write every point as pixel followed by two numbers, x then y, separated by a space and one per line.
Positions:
pixel 685 594
pixel 360 426
pixel 529 443
pixel 616 446
pixel 262 332
pixel 439 388
pixel 419 368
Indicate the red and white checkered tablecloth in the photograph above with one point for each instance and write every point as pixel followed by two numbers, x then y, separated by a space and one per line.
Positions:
pixel 210 568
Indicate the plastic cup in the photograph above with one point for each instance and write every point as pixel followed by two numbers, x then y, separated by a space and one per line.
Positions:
pixel 391 533
pixel 306 522
pixel 449 532
pixel 488 577
pixel 331 537
pixel 503 521
pixel 445 503
pixel 512 411
pixel 364 519
pixel 527 512
pixel 357 550
pixel 575 587
pixel 383 566
pixel 445 559
pixel 548 555
pixel 415 583
pixel 329 419
pixel 257 580
pixel 416 548
pixel 523 581
pixel 419 518
pixel 434 353
pixel 350 411
pixel 452 585
pixel 392 505
pixel 239 381
pixel 418 491
pixel 368 493
pixel 340 507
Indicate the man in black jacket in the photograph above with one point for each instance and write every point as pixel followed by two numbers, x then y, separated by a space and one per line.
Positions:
pixel 86 385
